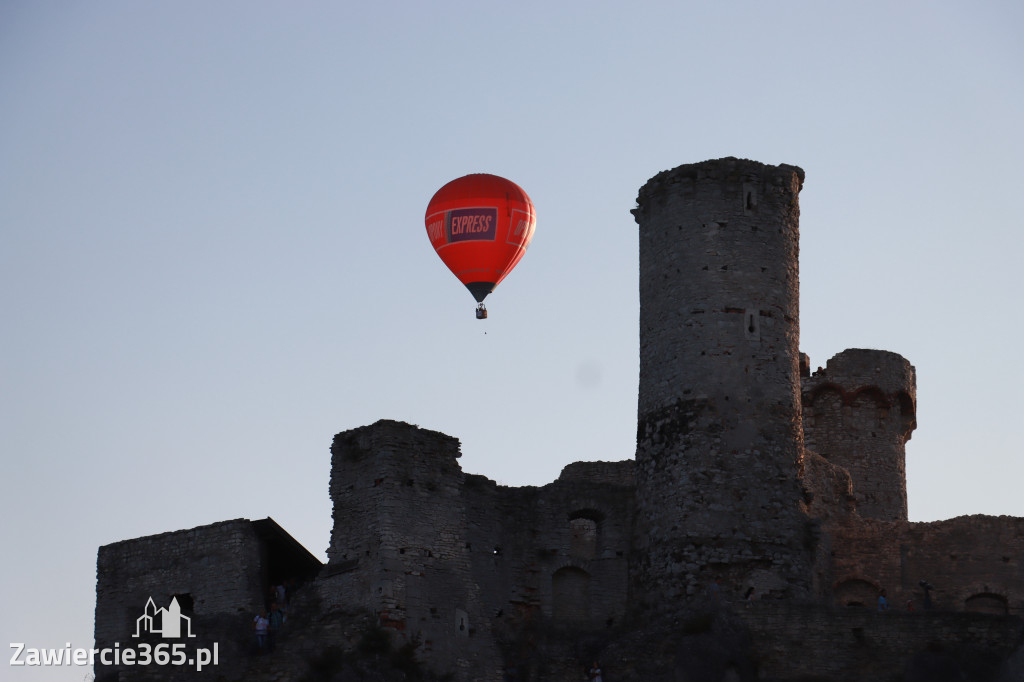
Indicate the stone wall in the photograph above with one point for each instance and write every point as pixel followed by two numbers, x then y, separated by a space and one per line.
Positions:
pixel 858 412
pixel 216 572
pixel 459 564
pixel 400 545
pixel 719 437
pixel 568 544
pixel 217 565
pixel 218 576
pixel 973 563
pixel 807 642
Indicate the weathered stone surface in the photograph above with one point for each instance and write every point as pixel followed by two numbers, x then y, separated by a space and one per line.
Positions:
pixel 859 412
pixel 807 641
pixel 719 439
pixel 220 574
pixel 460 563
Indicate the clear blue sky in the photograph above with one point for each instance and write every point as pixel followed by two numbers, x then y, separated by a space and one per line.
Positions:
pixel 213 258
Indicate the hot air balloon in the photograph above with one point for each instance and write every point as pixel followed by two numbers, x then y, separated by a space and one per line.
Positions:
pixel 480 225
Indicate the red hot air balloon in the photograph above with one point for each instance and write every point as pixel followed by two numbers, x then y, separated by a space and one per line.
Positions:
pixel 480 225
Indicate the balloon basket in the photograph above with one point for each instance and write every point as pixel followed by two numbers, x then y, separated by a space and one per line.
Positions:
pixel 481 312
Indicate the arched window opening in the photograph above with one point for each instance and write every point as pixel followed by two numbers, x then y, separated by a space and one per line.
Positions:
pixel 584 533
pixel 583 538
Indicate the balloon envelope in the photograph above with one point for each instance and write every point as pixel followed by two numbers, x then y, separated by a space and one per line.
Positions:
pixel 480 225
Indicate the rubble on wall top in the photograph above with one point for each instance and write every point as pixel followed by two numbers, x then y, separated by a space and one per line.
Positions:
pixel 715 168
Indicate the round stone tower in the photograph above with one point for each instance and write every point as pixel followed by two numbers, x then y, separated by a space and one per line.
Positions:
pixel 719 435
pixel 859 413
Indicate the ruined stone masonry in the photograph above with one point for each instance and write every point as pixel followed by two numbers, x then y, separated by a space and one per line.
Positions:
pixel 753 475
pixel 719 443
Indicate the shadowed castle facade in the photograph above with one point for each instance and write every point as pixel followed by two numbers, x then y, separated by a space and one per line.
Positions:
pixel 750 472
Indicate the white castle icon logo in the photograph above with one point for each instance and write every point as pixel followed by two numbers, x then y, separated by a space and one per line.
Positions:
pixel 164 622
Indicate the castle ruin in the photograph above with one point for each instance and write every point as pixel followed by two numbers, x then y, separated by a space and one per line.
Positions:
pixel 753 476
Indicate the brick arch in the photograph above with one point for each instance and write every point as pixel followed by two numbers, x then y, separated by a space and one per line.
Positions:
pixel 569 563
pixel 847 398
pixel 585 532
pixel 813 396
pixel 822 410
pixel 583 536
pixel 987 602
pixel 869 408
pixel 587 511
pixel 872 392
pixel 856 591
pixel 908 412
pixel 906 403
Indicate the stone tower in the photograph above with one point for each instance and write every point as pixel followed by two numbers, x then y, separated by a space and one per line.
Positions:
pixel 399 546
pixel 859 413
pixel 719 435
